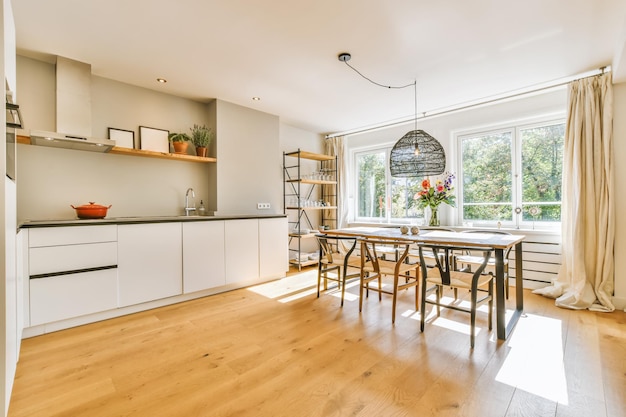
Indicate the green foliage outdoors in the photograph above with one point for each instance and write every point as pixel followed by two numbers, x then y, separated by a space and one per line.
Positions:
pixel 371 174
pixel 488 183
pixel 542 169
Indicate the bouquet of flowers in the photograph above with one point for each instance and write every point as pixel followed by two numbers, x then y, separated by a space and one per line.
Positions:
pixel 432 195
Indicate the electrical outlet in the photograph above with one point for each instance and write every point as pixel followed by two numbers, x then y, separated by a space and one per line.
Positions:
pixel 262 206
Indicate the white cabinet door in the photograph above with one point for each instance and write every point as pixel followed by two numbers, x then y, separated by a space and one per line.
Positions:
pixel 149 262
pixel 273 250
pixel 53 259
pixel 203 255
pixel 241 246
pixel 65 296
pixel 71 235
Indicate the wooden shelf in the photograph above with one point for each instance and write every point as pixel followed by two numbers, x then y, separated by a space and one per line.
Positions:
pixel 322 182
pixel 161 155
pixel 312 156
pixel 303 263
pixel 312 208
pixel 25 140
pixel 303 236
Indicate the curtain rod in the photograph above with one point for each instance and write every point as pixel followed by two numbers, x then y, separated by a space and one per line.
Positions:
pixel 555 84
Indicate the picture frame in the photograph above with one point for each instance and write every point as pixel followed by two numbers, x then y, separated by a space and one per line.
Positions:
pixel 123 138
pixel 153 139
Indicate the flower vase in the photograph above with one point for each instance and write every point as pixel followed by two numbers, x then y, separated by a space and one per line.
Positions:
pixel 434 216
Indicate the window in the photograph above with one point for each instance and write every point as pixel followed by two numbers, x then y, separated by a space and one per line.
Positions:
pixel 380 197
pixel 512 175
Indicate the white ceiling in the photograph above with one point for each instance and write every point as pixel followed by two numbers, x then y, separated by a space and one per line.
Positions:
pixel 285 51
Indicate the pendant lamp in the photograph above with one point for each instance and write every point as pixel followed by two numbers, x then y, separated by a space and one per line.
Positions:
pixel 416 154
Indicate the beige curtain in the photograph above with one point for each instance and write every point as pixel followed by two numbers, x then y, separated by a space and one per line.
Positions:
pixel 335 147
pixel 586 276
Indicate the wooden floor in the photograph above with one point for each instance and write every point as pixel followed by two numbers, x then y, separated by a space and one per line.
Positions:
pixel 277 350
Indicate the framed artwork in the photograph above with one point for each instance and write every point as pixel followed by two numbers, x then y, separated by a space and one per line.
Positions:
pixel 152 139
pixel 123 138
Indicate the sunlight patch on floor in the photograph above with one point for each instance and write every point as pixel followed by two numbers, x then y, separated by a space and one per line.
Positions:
pixel 298 295
pixel 411 314
pixel 535 362
pixel 297 283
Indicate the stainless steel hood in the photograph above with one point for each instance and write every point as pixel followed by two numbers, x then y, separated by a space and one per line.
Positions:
pixel 60 140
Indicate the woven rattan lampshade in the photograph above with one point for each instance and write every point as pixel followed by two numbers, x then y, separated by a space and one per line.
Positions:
pixel 431 159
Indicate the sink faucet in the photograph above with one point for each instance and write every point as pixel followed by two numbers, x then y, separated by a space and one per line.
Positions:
pixel 189 209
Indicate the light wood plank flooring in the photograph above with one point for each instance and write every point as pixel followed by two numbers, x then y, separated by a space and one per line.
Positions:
pixel 277 350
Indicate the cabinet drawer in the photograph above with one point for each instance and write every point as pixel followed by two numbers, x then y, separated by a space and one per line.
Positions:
pixel 63 297
pixel 72 235
pixel 53 259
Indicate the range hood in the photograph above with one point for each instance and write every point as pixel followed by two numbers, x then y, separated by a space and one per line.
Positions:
pixel 60 140
pixel 73 111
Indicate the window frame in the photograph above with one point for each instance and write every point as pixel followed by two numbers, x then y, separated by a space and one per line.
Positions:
pixel 515 128
pixel 354 207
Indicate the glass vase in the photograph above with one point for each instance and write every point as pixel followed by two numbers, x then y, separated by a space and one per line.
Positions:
pixel 434 216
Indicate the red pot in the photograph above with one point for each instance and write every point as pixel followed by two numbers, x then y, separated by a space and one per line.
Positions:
pixel 91 211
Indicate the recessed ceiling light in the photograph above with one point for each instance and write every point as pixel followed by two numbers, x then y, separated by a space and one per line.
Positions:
pixel 256 98
pixel 161 80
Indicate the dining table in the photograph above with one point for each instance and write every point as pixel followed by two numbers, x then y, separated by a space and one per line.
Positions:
pixel 499 243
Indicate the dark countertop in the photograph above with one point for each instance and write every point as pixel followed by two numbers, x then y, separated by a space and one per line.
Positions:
pixel 140 219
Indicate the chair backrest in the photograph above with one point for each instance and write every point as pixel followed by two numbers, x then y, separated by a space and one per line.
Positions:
pixel 372 249
pixel 493 232
pixel 331 245
pixel 442 255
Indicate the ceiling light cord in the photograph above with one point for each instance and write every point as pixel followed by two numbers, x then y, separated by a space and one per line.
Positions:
pixel 374 82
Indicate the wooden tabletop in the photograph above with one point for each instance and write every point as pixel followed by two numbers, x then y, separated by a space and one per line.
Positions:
pixel 492 240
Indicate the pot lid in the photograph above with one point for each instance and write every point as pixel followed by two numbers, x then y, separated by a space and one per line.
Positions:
pixel 91 206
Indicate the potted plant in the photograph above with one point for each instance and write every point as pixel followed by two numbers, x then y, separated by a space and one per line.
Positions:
pixel 201 136
pixel 180 141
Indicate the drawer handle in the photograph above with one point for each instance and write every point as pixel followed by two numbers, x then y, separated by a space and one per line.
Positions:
pixel 74 271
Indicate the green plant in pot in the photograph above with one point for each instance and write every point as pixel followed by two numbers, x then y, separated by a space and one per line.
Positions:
pixel 201 136
pixel 180 141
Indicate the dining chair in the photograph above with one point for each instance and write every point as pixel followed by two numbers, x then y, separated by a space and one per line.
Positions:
pixel 444 275
pixel 337 255
pixel 374 267
pixel 469 260
pixel 414 255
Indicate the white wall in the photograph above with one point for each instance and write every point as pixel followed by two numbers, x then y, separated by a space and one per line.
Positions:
pixel 51 179
pixel 249 160
pixel 619 137
pixel 8 227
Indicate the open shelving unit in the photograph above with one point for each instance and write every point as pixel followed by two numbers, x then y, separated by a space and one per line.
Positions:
pixel 305 197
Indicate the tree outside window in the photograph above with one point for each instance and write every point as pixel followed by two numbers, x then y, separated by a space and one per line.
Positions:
pixel 493 191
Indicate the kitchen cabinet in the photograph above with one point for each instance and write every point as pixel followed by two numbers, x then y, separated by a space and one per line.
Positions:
pixel 67 296
pixel 273 243
pixel 203 255
pixel 149 262
pixel 241 250
pixel 72 272
pixel 84 272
